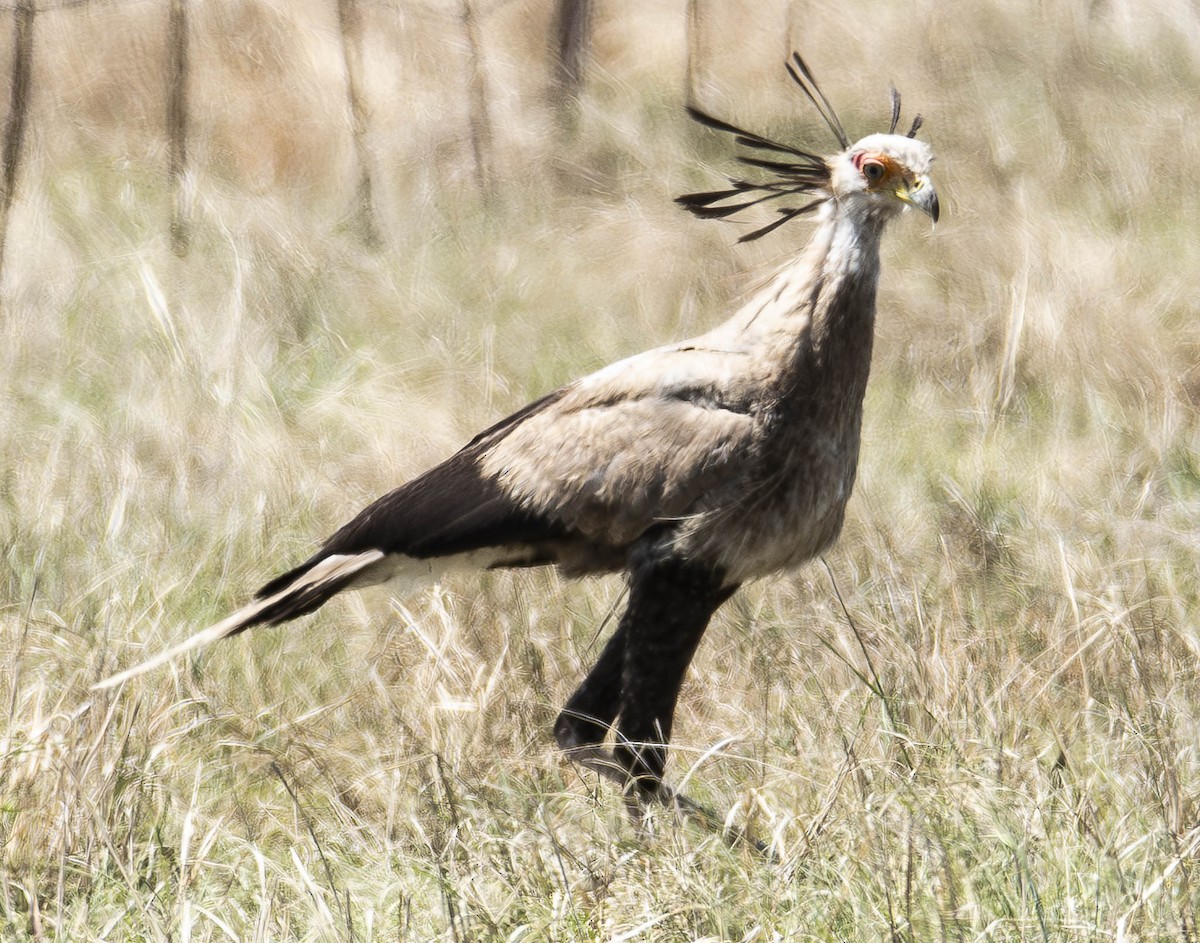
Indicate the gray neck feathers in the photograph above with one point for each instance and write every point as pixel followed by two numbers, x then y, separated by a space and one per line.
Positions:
pixel 815 320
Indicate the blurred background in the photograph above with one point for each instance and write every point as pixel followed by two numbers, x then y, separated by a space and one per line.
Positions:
pixel 262 261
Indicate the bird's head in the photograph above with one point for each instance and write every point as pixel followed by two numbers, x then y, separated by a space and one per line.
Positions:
pixel 883 174
pixel 877 177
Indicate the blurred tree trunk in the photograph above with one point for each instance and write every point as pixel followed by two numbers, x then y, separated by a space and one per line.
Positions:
pixel 18 110
pixel 478 119
pixel 177 113
pixel 693 50
pixel 350 26
pixel 572 42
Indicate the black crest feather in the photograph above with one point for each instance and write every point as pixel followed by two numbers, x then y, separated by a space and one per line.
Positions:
pixel 796 172
pixel 803 77
pixel 917 120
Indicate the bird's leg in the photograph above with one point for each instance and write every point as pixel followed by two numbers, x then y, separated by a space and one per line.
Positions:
pixel 585 721
pixel 670 604
pixel 658 618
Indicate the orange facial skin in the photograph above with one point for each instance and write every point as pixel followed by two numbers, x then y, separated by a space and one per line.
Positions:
pixel 880 171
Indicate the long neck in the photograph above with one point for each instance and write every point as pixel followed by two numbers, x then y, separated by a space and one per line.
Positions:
pixel 817 315
pixel 841 267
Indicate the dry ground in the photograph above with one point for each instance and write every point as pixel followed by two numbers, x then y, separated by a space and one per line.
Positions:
pixel 996 741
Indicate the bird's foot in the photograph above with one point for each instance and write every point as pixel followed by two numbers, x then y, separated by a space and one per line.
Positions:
pixel 640 793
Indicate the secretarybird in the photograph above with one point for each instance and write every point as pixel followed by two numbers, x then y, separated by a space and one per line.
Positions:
pixel 692 468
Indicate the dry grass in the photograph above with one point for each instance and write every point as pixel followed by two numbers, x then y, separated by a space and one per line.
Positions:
pixel 999 742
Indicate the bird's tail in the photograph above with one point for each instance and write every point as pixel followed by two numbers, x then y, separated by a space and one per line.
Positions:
pixel 308 591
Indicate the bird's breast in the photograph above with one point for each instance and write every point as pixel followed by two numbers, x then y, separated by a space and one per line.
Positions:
pixel 788 508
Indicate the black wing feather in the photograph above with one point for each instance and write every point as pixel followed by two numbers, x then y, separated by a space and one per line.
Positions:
pixel 452 508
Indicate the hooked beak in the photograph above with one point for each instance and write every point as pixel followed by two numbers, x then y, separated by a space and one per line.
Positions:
pixel 922 195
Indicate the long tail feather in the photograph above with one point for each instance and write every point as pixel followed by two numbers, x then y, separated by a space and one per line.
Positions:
pixel 304 594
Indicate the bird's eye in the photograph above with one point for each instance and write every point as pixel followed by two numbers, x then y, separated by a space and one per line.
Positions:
pixel 872 170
